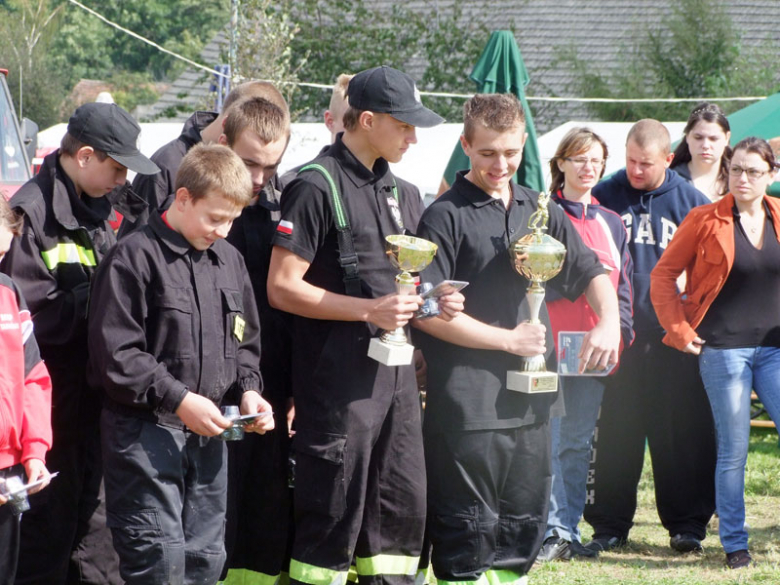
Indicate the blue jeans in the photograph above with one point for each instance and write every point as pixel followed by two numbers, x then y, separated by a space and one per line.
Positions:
pixel 728 376
pixel 572 438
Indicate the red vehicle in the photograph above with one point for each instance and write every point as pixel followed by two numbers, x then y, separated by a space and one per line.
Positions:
pixel 15 167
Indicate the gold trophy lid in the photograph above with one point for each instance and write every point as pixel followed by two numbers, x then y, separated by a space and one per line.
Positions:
pixel 409 253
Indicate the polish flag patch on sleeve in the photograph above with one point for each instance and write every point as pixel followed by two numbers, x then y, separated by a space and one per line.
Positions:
pixel 285 227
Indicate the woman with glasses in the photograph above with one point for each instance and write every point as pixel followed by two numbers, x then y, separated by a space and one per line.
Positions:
pixel 576 167
pixel 729 315
pixel 702 157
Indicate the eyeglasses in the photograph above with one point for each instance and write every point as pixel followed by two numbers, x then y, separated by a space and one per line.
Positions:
pixel 752 174
pixel 581 162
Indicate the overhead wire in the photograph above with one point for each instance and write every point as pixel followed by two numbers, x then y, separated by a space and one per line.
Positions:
pixel 425 93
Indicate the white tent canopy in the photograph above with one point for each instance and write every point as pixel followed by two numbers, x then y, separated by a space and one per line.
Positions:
pixel 423 165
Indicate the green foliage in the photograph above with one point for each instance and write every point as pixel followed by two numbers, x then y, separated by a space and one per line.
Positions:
pixel 27 28
pixel 182 26
pixel 451 48
pixel 331 37
pixel 265 46
pixel 695 53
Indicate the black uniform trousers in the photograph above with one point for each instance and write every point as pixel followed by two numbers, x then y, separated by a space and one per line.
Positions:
pixel 259 512
pixel 488 496
pixel 166 498
pixel 66 523
pixel 9 532
pixel 360 484
pixel 656 398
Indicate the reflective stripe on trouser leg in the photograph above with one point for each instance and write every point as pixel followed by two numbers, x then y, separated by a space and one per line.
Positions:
pixel 387 565
pixel 492 577
pixel 248 577
pixel 316 575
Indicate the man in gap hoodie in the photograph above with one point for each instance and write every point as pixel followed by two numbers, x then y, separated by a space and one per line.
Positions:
pixel 657 396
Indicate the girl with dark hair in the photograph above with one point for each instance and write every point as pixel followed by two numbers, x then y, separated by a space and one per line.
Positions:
pixel 577 166
pixel 729 315
pixel 702 157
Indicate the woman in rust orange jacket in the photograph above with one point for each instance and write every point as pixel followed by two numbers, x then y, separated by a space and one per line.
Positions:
pixel 729 315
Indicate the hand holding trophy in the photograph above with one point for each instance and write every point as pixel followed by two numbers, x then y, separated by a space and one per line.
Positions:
pixel 538 257
pixel 408 254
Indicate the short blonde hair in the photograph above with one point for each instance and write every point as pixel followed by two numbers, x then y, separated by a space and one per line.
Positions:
pixel 9 218
pixel 263 89
pixel 496 111
pixel 258 115
pixel 338 99
pixel 209 168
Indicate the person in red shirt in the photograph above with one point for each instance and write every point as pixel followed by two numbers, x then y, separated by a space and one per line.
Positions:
pixel 25 402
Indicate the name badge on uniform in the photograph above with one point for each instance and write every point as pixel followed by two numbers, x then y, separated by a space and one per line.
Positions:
pixel 238 327
pixel 392 203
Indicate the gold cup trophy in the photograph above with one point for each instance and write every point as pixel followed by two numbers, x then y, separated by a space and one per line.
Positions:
pixel 538 257
pixel 407 254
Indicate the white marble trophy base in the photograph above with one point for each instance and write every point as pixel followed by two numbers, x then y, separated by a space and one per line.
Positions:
pixel 532 382
pixel 390 354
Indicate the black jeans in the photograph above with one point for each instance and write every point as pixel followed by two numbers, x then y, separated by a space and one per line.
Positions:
pixel 166 498
pixel 657 398
pixel 9 532
pixel 488 496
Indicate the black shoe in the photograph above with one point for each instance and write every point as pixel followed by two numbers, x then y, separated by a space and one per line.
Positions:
pixel 578 551
pixel 739 559
pixel 554 548
pixel 606 543
pixel 685 543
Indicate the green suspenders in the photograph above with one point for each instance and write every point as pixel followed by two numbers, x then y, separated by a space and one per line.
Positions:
pixel 348 259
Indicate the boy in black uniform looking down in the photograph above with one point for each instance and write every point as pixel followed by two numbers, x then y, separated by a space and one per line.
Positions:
pixel 173 328
pixel 360 479
pixel 65 236
pixel 488 448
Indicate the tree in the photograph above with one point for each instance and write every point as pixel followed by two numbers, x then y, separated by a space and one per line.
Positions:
pixel 27 28
pixel 331 37
pixel 694 53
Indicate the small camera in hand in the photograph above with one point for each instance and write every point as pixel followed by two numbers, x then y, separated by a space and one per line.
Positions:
pixel 236 431
pixel 430 307
pixel 15 490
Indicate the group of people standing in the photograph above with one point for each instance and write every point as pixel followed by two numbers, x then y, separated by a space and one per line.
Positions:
pixel 146 338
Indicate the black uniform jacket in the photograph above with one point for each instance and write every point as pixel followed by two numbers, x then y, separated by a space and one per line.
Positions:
pixel 166 319
pixel 252 235
pixel 63 240
pixel 467 387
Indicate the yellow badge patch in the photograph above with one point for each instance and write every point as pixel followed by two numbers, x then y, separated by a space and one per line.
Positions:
pixel 238 327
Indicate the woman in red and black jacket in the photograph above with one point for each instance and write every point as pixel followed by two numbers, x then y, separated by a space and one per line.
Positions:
pixel 25 401
pixel 576 167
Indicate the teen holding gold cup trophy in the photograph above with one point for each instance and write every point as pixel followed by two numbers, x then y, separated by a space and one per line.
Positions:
pixel 487 447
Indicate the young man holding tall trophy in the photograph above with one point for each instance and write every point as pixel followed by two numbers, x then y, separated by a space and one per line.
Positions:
pixel 360 476
pixel 487 434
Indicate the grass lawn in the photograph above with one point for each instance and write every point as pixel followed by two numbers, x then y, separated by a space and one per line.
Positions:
pixel 648 559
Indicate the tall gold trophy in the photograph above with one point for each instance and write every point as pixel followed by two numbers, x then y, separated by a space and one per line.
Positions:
pixel 407 254
pixel 538 257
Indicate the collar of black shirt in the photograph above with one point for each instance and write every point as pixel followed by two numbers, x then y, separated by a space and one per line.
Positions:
pixel 177 242
pixel 356 170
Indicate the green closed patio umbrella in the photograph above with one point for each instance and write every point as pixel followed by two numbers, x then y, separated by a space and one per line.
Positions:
pixel 760 119
pixel 500 69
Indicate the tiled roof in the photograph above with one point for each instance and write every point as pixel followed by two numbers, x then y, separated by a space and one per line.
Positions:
pixel 599 30
pixel 190 91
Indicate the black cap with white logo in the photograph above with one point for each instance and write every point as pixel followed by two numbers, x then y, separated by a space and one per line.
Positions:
pixel 109 128
pixel 388 91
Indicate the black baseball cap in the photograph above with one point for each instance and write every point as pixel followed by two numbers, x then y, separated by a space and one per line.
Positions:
pixel 388 91
pixel 109 128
